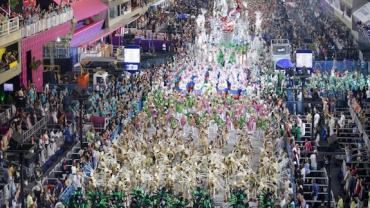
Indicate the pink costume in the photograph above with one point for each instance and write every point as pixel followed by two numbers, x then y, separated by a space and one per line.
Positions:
pixel 251 124
pixel 183 120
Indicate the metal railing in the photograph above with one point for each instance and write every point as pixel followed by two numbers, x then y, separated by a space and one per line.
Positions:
pixel 47 23
pixel 9 26
pixel 91 53
pixel 279 41
pixel 360 128
pixel 147 34
pixel 35 128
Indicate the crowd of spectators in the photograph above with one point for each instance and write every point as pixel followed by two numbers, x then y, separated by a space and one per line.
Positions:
pixel 328 125
pixel 30 15
pixel 307 24
pixel 167 20
pixel 121 96
pixel 30 108
pixel 8 58
pixel 364 28
pixel 4 13
pixel 138 3
pixel 53 102
pixel 119 100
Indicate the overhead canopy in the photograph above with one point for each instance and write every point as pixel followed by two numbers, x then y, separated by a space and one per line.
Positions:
pixel 87 34
pixel 83 9
pixel 284 64
pixel 363 14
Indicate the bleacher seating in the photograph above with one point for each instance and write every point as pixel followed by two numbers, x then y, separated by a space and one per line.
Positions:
pixel 353 151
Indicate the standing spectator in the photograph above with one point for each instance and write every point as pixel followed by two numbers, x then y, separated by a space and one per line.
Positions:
pixel 340 203
pixel 308 146
pixel 315 190
pixel 305 170
pixel 353 203
pixel 313 161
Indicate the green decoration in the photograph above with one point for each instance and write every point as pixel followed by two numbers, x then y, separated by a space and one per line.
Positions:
pixel 147 111
pixel 232 58
pixel 180 202
pixel 238 199
pixel 173 122
pixel 14 4
pixel 202 199
pixel 162 198
pixel 179 107
pixel 218 120
pixel 334 84
pixel 139 199
pixel 242 121
pixel 266 200
pixel 220 58
pixel 77 200
pixel 190 101
pixel 262 124
pixel 35 64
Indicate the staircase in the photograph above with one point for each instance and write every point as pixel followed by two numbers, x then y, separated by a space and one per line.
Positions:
pixel 320 176
pixel 60 173
pixel 356 147
pixel 349 135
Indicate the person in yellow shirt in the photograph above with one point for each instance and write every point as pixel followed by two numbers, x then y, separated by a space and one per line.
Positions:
pixel 340 203
pixel 11 171
pixel 353 203
pixel 30 202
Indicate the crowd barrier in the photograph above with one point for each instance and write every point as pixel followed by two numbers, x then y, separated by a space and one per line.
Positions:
pixel 35 128
pixel 9 26
pixel 360 128
pixel 47 23
pixel 99 122
pixel 341 66
pixel 288 149
pixel 67 193
pixel 54 158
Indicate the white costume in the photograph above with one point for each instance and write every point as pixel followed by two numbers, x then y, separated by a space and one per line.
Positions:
pixel 332 126
pixel 232 135
pixel 316 119
pixel 342 121
pixel 313 161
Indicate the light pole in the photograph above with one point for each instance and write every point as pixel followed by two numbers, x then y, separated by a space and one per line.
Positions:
pixel 81 96
pixel 81 127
